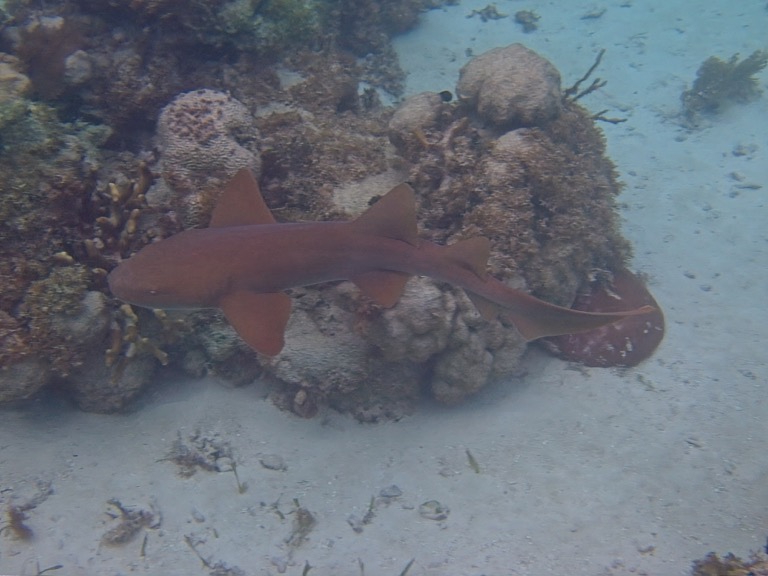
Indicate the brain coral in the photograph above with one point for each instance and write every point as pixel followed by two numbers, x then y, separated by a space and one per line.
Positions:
pixel 511 86
pixel 205 137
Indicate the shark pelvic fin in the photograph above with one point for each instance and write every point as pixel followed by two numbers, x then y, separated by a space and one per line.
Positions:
pixel 259 319
pixel 241 203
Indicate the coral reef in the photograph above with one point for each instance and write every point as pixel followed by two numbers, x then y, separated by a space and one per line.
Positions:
pixel 44 44
pixel 268 27
pixel 538 193
pixel 121 119
pixel 81 87
pixel 364 26
pixel 14 87
pixel 720 82
pixel 51 312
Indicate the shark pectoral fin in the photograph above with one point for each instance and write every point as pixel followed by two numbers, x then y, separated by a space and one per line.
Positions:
pixel 259 319
pixel 472 254
pixel 535 318
pixel 241 203
pixel 382 286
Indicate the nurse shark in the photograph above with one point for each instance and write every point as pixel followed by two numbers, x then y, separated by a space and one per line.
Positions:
pixel 244 261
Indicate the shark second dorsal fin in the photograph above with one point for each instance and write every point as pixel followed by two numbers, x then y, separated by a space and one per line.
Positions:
pixel 241 203
pixel 472 254
pixel 259 319
pixel 392 216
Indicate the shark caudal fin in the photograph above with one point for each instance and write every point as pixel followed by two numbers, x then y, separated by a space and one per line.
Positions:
pixel 535 318
pixel 392 216
pixel 561 321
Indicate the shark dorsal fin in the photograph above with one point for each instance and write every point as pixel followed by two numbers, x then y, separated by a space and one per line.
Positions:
pixel 241 203
pixel 392 216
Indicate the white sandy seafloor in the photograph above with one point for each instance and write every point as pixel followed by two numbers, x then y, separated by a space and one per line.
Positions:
pixel 583 472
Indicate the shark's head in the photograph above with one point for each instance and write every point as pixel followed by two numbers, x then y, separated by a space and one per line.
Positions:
pixel 150 281
pixel 136 287
pixel 166 274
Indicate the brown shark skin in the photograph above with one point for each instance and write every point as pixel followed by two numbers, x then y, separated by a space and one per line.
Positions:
pixel 209 268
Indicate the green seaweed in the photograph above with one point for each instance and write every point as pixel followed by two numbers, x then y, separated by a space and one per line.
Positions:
pixel 720 82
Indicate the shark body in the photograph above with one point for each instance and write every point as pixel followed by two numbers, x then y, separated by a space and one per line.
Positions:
pixel 244 260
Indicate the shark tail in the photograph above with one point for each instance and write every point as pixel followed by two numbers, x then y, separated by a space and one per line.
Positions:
pixel 535 318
